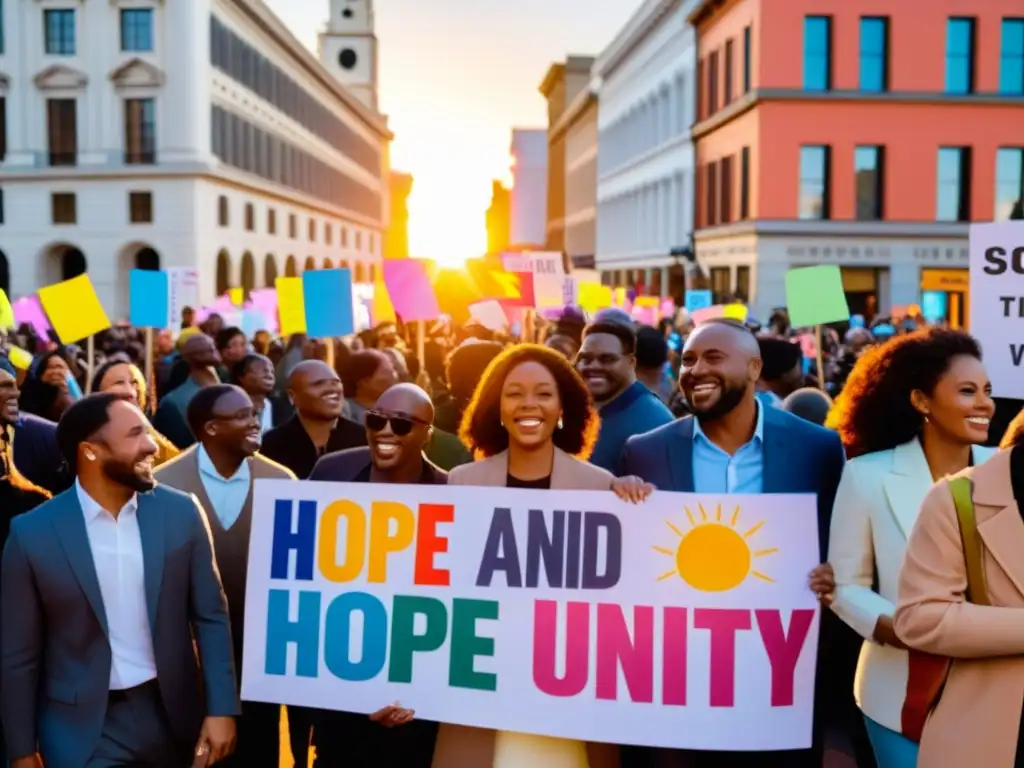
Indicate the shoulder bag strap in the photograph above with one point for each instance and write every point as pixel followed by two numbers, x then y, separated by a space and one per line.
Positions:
pixel 977 589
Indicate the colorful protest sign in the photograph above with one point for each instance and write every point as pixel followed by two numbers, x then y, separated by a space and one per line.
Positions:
pixel 997 302
pixel 328 303
pixel 682 622
pixel 74 309
pixel 695 300
pixel 815 296
pixel 594 296
pixel 541 263
pixel 408 283
pixel 149 294
pixel 6 312
pixel 291 308
pixel 934 306
pixel 184 291
pixel 28 310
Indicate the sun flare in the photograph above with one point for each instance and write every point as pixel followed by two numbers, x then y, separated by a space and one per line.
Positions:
pixel 714 555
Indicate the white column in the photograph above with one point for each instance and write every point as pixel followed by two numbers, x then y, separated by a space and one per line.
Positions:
pixel 184 120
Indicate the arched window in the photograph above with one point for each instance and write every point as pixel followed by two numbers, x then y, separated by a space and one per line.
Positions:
pixel 223 273
pixel 291 267
pixel 269 270
pixel 310 263
pixel 148 259
pixel 5 274
pixel 248 274
pixel 72 263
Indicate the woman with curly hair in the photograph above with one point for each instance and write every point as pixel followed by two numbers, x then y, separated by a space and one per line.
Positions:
pixel 531 424
pixel 914 410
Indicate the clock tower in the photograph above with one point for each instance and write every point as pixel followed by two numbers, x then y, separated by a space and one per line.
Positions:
pixel 348 48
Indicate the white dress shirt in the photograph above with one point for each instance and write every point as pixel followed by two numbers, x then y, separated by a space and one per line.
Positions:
pixel 266 417
pixel 116 545
pixel 227 494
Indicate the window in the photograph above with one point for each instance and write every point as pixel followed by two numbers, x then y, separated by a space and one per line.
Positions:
pixel 140 207
pixel 954 184
pixel 960 56
pixel 63 208
pixel 874 54
pixel 3 125
pixel 702 107
pixel 1011 58
pixel 1009 184
pixel 1 26
pixel 137 29
pixel 869 181
pixel 713 83
pixel 745 184
pixel 140 131
pixel 293 227
pixel 312 230
pixel 344 237
pixel 271 221
pixel 250 218
pixel 728 72
pixel 62 131
pixel 725 193
pixel 359 240
pixel 328 233
pixel 59 30
pixel 721 284
pixel 815 173
pixel 746 59
pixel 743 283
pixel 1 206
pixel 817 53
pixel 711 195
pixel 223 211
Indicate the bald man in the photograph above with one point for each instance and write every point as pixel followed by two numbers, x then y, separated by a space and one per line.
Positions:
pixel 398 428
pixel 317 427
pixel 199 354
pixel 733 444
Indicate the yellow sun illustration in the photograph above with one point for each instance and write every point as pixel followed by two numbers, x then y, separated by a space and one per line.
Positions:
pixel 713 555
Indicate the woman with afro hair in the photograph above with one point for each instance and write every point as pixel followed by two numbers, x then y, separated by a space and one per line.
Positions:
pixel 914 411
pixel 531 424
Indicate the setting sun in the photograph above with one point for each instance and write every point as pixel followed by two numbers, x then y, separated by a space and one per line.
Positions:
pixel 713 555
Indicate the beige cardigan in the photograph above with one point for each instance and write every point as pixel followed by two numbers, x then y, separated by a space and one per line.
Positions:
pixel 567 473
pixel 978 715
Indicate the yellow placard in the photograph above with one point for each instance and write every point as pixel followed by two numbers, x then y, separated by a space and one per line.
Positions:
pixel 649 302
pixel 381 311
pixel 594 296
pixel 291 305
pixel 6 312
pixel 19 358
pixel 735 312
pixel 74 309
pixel 237 296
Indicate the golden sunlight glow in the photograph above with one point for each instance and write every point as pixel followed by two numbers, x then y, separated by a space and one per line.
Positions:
pixel 713 555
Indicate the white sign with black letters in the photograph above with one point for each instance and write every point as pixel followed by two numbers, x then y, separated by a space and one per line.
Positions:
pixel 997 302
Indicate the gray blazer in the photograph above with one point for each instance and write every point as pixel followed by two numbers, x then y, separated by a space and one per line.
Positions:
pixel 54 652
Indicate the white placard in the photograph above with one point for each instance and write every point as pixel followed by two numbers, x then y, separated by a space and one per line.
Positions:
pixel 548 263
pixel 183 285
pixel 997 302
pixel 684 622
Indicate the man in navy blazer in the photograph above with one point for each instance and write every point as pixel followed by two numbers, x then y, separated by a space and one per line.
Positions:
pixel 734 444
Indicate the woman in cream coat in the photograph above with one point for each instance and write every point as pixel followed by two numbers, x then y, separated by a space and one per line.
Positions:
pixel 530 423
pixel 913 411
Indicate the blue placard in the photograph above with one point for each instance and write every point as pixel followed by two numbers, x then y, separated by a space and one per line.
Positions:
pixel 149 299
pixel 328 297
pixel 933 306
pixel 697 300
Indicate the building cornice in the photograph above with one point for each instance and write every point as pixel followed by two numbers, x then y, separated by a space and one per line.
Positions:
pixel 634 32
pixel 258 12
pixel 753 98
pixel 554 74
pixel 831 228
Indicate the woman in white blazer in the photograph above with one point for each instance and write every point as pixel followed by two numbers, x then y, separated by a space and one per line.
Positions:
pixel 913 411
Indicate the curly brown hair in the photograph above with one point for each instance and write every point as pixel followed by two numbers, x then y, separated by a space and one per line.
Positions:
pixel 874 412
pixel 481 430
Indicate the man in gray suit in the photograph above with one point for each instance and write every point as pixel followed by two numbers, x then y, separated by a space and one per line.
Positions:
pixel 104 587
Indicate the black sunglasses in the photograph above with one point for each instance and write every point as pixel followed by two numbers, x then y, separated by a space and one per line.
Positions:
pixel 400 425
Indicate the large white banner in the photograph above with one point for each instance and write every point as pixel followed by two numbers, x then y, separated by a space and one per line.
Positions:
pixel 997 302
pixel 683 622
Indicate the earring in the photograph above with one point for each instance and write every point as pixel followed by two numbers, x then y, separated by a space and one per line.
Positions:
pixel 560 424
pixel 91 456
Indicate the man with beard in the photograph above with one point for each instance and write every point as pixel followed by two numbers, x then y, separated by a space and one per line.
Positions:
pixel 200 356
pixel 398 429
pixel 734 444
pixel 110 582
pixel 220 472
pixel 607 363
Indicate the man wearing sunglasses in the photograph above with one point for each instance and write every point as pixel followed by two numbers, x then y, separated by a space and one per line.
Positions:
pixel 398 427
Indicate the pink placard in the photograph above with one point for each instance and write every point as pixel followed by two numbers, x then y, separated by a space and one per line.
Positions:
pixel 410 290
pixel 28 310
pixel 699 316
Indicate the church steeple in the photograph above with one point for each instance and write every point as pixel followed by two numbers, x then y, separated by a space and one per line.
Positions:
pixel 348 48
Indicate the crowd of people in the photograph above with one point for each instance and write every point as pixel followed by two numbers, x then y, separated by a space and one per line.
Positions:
pixel 127 514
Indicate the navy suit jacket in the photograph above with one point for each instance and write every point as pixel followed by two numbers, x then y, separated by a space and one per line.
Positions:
pixel 36 454
pixel 54 648
pixel 799 457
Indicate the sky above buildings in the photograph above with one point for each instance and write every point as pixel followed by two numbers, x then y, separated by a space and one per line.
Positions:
pixel 456 77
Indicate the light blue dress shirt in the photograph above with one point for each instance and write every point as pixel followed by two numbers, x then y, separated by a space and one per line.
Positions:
pixel 227 495
pixel 715 471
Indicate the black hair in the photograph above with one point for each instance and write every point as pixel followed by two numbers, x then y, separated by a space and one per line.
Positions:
pixel 225 335
pixel 625 333
pixel 201 406
pixel 779 357
pixel 101 372
pixel 651 347
pixel 81 422
pixel 239 369
pixel 809 403
pixel 359 367
pixel 466 366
